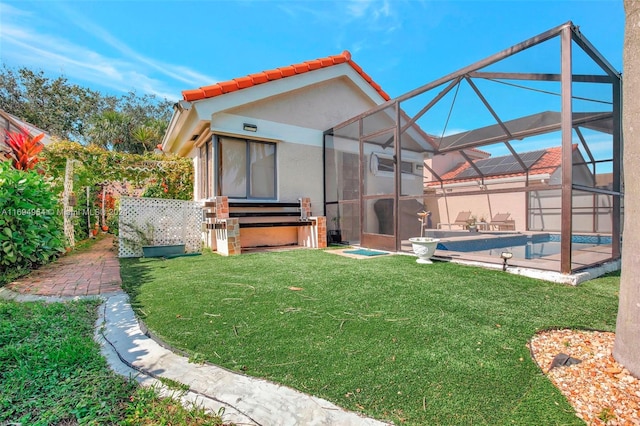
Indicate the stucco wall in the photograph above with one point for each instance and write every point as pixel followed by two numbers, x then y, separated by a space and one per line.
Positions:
pixel 483 205
pixel 300 174
pixel 444 163
pixel 319 106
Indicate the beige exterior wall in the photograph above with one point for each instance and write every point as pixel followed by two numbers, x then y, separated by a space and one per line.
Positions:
pixel 319 106
pixel 300 174
pixel 482 205
pixel 591 213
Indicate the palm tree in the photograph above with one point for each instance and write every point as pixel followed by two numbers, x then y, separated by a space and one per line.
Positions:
pixel 110 130
pixel 148 136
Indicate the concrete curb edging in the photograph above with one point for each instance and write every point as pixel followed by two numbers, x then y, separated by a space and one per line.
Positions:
pixel 245 400
pixel 122 366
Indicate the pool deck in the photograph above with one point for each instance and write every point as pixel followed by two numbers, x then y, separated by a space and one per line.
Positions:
pixel 588 262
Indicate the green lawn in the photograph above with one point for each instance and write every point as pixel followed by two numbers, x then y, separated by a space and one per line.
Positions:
pixel 51 372
pixel 414 344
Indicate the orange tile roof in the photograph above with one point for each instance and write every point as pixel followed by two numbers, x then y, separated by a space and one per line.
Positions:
pixel 550 161
pixel 276 74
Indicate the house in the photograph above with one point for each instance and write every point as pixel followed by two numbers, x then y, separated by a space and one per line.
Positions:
pixel 321 138
pixel 258 141
pixel 535 210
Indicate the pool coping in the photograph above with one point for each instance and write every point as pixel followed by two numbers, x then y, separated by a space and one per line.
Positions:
pixel 592 262
pixel 553 276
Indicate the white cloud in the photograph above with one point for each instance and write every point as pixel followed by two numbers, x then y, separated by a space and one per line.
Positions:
pixel 377 15
pixel 25 46
pixel 358 20
pixel 448 132
pixel 174 72
pixel 358 8
pixel 288 10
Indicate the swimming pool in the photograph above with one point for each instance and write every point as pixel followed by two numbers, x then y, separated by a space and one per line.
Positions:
pixel 522 246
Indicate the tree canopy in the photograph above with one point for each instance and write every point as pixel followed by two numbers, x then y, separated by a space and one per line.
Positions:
pixel 129 123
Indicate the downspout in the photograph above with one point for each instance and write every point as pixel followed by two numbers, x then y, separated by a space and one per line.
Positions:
pixel 324 172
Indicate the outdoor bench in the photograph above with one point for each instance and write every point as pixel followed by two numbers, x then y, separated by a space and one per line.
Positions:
pixel 248 224
pixel 260 214
pixel 255 214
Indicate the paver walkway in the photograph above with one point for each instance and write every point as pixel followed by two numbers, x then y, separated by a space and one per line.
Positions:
pixel 91 272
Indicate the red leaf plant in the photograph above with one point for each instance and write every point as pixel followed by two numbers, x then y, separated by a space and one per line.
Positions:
pixel 24 148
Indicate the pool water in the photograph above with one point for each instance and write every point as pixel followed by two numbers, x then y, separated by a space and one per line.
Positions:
pixel 523 246
pixel 533 250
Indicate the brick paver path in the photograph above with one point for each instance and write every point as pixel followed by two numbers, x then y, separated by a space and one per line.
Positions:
pixel 88 273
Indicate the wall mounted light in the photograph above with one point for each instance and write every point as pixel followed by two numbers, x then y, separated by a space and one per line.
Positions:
pixel 247 127
pixel 505 255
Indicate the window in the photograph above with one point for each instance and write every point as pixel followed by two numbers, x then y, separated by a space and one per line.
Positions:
pixel 383 165
pixel 205 171
pixel 247 169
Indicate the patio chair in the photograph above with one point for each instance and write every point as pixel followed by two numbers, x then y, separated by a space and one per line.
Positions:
pixel 461 220
pixel 501 222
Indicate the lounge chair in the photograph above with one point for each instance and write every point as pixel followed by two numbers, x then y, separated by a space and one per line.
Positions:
pixel 501 222
pixel 461 220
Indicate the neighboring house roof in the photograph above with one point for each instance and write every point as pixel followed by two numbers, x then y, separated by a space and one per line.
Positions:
pixel 277 74
pixel 547 164
pixel 11 123
pixel 604 180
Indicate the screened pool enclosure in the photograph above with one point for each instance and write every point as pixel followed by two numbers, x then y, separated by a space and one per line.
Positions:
pixel 533 130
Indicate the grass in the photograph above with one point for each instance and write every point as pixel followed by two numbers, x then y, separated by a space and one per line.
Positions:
pixel 398 341
pixel 51 372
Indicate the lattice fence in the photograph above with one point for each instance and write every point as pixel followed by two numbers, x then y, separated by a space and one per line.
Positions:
pixel 67 208
pixel 160 221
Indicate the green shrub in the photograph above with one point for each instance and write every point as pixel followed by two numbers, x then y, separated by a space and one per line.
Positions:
pixel 30 221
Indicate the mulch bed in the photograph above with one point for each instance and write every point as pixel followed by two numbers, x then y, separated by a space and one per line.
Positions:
pixel 601 391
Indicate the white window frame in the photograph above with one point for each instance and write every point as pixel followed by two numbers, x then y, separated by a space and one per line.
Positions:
pixel 248 142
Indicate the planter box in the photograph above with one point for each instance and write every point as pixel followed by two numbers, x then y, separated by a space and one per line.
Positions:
pixel 162 251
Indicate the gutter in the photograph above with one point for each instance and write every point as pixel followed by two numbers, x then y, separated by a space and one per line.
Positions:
pixel 177 118
pixel 487 182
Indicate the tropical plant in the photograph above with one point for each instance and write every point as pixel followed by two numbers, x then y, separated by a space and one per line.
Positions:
pixel 110 130
pixel 24 148
pixel 149 135
pixel 471 222
pixel 136 237
pixel 30 221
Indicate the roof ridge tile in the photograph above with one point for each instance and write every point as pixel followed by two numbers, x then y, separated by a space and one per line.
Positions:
pixel 251 80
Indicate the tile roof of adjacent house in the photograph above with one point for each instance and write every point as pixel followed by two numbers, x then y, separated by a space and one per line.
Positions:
pixel 548 163
pixel 276 74
pixel 10 122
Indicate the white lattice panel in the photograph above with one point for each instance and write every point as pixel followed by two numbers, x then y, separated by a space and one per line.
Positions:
pixel 67 209
pixel 164 221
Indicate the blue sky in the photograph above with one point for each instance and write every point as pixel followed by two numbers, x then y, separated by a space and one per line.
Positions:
pixel 163 47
